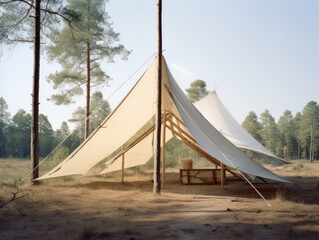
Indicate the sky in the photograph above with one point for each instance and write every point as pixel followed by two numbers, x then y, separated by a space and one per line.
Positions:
pixel 259 54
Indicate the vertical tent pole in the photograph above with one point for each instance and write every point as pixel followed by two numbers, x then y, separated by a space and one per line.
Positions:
pixel 222 175
pixel 163 148
pixel 122 180
pixel 157 154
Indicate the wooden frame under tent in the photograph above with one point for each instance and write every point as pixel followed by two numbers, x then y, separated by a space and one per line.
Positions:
pixel 173 123
pixel 129 132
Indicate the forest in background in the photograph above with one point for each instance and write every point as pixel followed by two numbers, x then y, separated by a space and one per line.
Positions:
pixel 291 137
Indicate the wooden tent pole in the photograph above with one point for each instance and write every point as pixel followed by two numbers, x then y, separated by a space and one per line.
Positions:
pixel 222 175
pixel 163 148
pixel 157 155
pixel 122 180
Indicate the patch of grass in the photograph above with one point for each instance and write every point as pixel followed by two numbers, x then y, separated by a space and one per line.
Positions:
pixel 281 194
pixel 12 171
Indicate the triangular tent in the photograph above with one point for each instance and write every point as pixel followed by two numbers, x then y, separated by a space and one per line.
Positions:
pixel 218 115
pixel 125 137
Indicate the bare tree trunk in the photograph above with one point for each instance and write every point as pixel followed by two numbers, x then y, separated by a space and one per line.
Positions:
pixel 157 155
pixel 287 137
pixel 298 150
pixel 88 83
pixel 34 151
pixel 311 143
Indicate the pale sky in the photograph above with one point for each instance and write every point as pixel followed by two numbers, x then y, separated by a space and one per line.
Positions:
pixel 261 54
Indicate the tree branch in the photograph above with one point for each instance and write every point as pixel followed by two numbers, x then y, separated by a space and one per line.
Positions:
pixel 25 15
pixel 23 1
pixel 59 14
pixel 45 15
pixel 95 59
pixel 20 40
pixel 70 90
pixel 12 199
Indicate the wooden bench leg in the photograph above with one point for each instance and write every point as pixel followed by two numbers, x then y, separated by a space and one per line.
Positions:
pixel 181 176
pixel 222 176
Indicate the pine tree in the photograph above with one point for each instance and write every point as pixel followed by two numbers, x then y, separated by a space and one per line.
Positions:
pixel 309 129
pixel 18 19
pixel 297 128
pixel 19 135
pixel 100 109
pixel 197 90
pixel 72 141
pixel 269 132
pixel 61 133
pixel 46 136
pixel 252 125
pixel 286 128
pixel 80 52
pixel 4 122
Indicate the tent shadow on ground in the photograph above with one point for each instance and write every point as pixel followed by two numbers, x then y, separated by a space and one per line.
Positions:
pixel 156 221
pixel 304 186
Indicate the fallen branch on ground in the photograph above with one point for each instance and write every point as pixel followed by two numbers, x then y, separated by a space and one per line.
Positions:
pixel 12 199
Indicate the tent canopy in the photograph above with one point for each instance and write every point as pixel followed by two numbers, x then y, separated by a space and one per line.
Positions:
pixel 218 115
pixel 133 119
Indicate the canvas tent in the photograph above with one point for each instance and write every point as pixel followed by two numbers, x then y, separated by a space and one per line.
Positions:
pixel 125 137
pixel 218 115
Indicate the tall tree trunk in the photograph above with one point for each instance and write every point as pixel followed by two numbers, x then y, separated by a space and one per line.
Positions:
pixel 157 155
pixel 34 151
pixel 298 150
pixel 311 143
pixel 88 83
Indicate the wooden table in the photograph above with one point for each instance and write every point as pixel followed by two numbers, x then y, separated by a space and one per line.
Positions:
pixel 194 174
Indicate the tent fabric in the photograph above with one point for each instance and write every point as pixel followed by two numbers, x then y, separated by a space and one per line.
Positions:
pixel 218 115
pixel 212 141
pixel 130 116
pixel 136 156
pixel 124 121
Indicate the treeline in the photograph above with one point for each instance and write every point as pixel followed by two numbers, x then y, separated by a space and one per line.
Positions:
pixel 292 137
pixel 15 131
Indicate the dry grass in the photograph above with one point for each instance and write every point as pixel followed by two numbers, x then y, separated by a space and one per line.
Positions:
pixel 104 208
pixel 12 171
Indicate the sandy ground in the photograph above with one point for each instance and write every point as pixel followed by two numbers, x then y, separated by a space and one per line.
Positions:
pixel 99 208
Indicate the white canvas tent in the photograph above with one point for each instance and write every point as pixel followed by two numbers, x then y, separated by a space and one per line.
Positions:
pixel 218 115
pixel 127 133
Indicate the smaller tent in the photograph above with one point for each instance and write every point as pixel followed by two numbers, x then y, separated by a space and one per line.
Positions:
pixel 218 115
